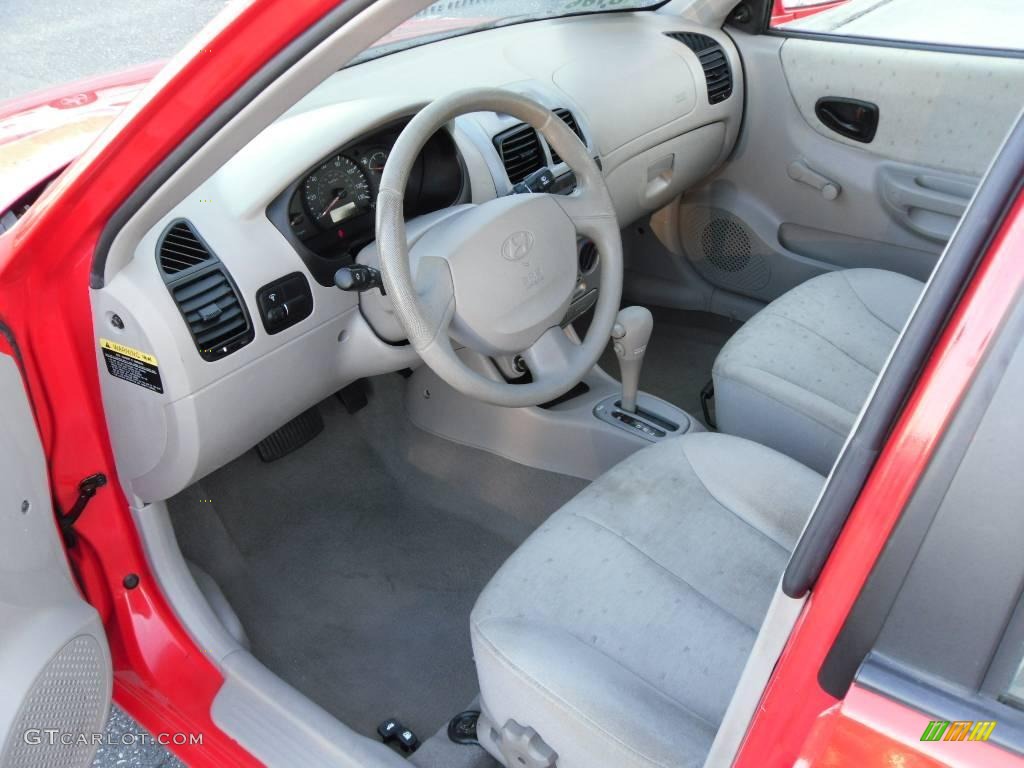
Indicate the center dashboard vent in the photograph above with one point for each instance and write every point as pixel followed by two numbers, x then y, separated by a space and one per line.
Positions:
pixel 520 151
pixel 712 60
pixel 569 119
pixel 204 292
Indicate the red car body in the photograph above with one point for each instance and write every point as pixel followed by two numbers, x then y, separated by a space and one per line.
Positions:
pixel 783 11
pixel 162 678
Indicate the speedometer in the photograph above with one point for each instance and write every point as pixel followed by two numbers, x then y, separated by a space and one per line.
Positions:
pixel 336 191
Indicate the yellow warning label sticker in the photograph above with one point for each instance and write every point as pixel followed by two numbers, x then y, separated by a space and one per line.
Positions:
pixel 127 351
pixel 132 365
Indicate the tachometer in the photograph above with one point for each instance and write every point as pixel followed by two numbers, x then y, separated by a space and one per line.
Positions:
pixel 336 191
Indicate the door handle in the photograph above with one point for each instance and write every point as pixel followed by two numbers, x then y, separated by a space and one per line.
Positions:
pixel 852 118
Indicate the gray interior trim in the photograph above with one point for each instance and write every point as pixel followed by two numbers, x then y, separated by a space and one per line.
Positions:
pixel 220 117
pixel 281 727
pixel 881 42
pixel 984 216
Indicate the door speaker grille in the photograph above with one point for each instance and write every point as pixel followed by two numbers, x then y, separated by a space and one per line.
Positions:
pixel 726 245
pixel 71 693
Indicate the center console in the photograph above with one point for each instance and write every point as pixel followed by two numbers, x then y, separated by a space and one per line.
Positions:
pixel 583 433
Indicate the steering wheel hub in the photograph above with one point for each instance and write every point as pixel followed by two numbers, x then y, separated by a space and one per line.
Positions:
pixel 513 269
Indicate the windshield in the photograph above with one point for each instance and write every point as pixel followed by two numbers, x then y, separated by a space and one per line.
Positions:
pixel 456 17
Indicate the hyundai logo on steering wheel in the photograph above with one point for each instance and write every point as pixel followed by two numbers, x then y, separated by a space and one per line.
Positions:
pixel 517 245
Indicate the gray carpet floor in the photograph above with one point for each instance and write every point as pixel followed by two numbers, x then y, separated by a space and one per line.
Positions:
pixel 354 561
pixel 679 356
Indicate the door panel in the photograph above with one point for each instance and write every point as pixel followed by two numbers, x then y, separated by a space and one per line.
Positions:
pixel 54 661
pixel 798 198
pixel 941 110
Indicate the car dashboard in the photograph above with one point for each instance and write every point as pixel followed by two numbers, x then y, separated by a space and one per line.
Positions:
pixel 656 102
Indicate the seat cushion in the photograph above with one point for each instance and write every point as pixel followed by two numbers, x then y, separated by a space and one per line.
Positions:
pixel 796 375
pixel 619 629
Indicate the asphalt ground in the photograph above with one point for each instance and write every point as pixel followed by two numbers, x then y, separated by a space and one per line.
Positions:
pixel 44 44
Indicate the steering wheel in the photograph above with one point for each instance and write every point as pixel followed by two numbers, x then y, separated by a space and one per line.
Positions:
pixel 499 277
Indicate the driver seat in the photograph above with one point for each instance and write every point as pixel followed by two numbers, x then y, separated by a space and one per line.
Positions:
pixel 615 635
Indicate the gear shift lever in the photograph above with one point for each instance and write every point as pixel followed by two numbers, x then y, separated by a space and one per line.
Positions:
pixel 630 334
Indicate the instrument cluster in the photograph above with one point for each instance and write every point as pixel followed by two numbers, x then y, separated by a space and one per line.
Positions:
pixel 328 213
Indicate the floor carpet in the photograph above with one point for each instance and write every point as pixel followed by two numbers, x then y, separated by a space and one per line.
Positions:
pixel 353 562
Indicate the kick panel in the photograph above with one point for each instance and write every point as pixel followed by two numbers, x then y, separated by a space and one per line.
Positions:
pixel 724 249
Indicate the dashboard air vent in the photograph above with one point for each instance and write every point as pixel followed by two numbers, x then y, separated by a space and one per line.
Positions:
pixel 569 119
pixel 520 151
pixel 213 312
pixel 712 60
pixel 180 249
pixel 204 292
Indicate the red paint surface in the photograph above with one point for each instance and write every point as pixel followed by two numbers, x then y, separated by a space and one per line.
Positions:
pixel 160 676
pixel 868 730
pixel 793 699
pixel 782 15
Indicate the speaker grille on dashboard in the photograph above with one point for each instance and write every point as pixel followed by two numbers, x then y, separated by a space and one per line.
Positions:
pixel 71 694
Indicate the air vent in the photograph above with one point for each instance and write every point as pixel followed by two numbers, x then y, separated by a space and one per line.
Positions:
pixel 588 257
pixel 214 315
pixel 204 292
pixel 520 152
pixel 569 119
pixel 712 60
pixel 181 249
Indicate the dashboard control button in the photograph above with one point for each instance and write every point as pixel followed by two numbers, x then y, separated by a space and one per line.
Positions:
pixel 284 302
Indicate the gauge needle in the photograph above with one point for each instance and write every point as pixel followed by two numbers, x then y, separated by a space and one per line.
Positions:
pixel 329 206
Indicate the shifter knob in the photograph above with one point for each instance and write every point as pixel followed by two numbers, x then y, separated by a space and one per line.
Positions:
pixel 630 334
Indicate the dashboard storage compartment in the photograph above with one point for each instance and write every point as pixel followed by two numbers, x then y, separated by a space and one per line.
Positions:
pixel 652 178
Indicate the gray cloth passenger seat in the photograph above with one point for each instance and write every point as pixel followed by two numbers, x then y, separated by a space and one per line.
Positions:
pixel 797 374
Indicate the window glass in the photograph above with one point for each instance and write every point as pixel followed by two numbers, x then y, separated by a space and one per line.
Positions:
pixel 960 23
pixel 46 45
pixel 448 18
